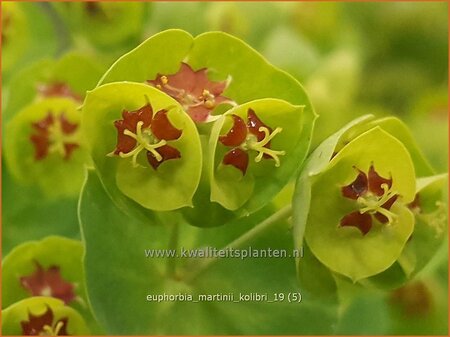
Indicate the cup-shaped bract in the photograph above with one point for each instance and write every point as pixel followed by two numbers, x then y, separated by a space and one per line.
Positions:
pixel 359 221
pixel 253 151
pixel 40 316
pixel 44 147
pixel 51 267
pixel 143 145
pixel 207 76
pixel 357 204
pixel 67 77
pixel 219 63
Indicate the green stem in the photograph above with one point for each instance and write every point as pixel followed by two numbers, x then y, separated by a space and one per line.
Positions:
pixel 207 263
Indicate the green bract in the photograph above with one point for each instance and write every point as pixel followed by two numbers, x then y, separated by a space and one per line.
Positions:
pixel 42 316
pixel 389 237
pixel 174 182
pixel 43 146
pixel 183 67
pixel 53 251
pixel 262 179
pixel 346 250
pixel 430 229
pixel 70 76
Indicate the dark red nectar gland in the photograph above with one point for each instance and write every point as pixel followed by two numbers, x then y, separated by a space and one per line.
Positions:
pixel 44 325
pixel 48 283
pixel 193 90
pixel 140 131
pixel 57 89
pixel 251 136
pixel 374 196
pixel 54 135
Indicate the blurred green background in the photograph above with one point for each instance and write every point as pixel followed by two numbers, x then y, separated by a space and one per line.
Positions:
pixel 388 58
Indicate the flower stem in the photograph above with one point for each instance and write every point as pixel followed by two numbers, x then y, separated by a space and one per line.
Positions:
pixel 260 228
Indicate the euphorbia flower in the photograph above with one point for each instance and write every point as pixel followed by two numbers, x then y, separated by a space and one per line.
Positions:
pixel 139 130
pixel 251 136
pixel 358 221
pixel 44 325
pixel 195 92
pixel 57 89
pixel 373 193
pixel 48 283
pixel 54 135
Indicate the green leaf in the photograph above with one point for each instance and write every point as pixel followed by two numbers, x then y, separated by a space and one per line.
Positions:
pixel 367 314
pixel 14 315
pixel 131 276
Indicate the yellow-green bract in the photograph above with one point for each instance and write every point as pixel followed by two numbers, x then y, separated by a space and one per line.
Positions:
pixel 18 313
pixel 277 98
pixel 390 251
pixel 53 168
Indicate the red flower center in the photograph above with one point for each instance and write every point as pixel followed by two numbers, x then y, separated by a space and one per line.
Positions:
pixel 374 195
pixel 44 325
pixel 54 135
pixel 48 283
pixel 253 136
pixel 193 90
pixel 57 89
pixel 140 131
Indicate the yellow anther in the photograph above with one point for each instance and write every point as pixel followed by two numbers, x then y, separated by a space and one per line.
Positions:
pixel 209 104
pixel 164 80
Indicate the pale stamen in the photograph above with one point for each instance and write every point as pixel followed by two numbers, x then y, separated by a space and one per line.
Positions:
pixel 58 138
pixel 49 331
pixel 143 139
pixel 375 204
pixel 262 150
